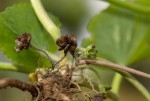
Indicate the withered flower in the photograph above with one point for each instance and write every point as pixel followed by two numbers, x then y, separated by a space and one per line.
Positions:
pixel 22 42
pixel 67 43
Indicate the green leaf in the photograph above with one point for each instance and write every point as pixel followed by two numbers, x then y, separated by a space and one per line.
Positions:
pixel 136 6
pixel 121 37
pixel 15 21
pixel 142 3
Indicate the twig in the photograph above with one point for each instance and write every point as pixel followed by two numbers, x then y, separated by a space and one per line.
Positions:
pixel 50 60
pixel 59 60
pixel 114 66
pixel 18 84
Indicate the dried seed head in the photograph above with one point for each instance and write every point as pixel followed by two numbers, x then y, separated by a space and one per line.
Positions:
pixel 67 43
pixel 62 42
pixel 22 42
pixel 73 45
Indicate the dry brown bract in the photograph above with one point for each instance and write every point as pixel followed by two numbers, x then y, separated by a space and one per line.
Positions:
pixel 23 42
pixel 67 43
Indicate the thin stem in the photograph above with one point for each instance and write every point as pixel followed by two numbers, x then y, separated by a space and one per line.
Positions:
pixel 60 60
pixel 114 67
pixel 45 20
pixel 50 60
pixel 130 6
pixel 140 87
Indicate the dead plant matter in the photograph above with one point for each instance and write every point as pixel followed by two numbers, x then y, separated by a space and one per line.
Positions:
pixel 67 43
pixel 52 86
pixel 23 42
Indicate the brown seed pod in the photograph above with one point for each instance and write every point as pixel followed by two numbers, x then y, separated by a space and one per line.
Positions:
pixel 67 43
pixel 22 42
pixel 62 42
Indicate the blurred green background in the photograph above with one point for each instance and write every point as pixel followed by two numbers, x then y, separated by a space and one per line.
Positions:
pixel 74 16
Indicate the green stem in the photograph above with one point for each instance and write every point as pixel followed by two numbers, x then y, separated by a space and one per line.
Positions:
pixel 52 56
pixel 7 66
pixel 139 87
pixel 130 6
pixel 45 20
pixel 116 83
pixel 112 96
pixel 124 72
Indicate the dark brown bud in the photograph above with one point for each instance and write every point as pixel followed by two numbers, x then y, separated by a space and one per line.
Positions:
pixel 22 42
pixel 67 43
pixel 62 42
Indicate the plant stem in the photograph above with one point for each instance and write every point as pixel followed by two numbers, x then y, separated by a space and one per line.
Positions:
pixel 45 20
pixel 50 60
pixel 140 87
pixel 114 67
pixel 130 6
pixel 7 66
pixel 117 79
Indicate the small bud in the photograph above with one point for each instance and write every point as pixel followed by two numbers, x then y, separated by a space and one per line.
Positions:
pixel 67 43
pixel 22 42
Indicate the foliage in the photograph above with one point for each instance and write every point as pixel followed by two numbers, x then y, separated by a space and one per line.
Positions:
pixel 123 35
pixel 20 19
pixel 120 33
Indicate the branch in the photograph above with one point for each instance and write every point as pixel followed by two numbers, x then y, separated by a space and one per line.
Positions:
pixel 114 67
pixel 18 84
pixel 38 49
